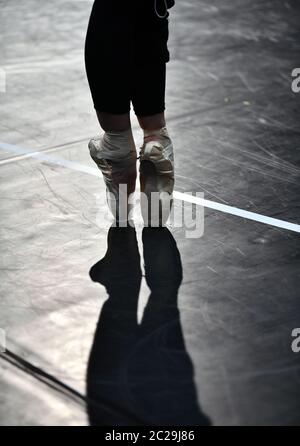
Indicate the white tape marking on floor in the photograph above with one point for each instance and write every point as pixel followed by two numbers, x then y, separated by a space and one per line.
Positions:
pixel 26 153
pixel 237 211
pixel 177 195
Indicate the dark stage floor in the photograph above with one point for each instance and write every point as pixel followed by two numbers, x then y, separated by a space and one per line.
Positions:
pixel 213 341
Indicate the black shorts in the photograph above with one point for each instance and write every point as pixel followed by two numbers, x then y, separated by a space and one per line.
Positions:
pixel 125 53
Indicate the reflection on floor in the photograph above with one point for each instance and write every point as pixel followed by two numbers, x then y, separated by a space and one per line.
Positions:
pixel 141 373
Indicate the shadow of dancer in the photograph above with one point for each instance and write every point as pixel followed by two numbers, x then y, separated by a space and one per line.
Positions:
pixel 141 374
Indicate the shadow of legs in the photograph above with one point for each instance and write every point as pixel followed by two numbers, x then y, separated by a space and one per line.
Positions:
pixel 141 375
pixel 119 271
pixel 165 392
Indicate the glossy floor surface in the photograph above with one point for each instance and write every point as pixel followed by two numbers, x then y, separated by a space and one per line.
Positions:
pixel 195 330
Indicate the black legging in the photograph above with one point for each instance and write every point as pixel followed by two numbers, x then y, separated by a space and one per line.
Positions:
pixel 126 54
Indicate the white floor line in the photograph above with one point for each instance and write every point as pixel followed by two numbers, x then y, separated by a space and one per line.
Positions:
pixel 238 212
pixel 26 153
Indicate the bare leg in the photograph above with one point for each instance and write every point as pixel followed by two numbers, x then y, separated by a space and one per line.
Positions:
pixel 114 123
pixel 153 122
pixel 114 152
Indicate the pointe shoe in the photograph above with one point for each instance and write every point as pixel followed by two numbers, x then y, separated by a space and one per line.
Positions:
pixel 157 179
pixel 119 176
